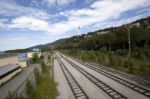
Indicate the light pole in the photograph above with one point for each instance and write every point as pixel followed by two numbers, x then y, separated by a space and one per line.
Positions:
pixel 129 37
pixel 78 32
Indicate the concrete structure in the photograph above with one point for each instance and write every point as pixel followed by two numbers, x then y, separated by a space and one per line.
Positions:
pixel 24 63
pixel 8 59
pixel 8 71
pixel 18 83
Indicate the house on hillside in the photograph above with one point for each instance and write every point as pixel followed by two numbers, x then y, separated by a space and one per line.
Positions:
pixel 102 32
pixel 136 24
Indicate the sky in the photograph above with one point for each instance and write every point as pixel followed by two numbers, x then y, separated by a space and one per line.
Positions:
pixel 25 23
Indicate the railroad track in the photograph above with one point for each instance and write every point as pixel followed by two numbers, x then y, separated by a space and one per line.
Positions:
pixel 129 76
pixel 75 87
pixel 128 84
pixel 107 89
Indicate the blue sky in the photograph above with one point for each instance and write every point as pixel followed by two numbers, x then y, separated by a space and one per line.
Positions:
pixel 25 23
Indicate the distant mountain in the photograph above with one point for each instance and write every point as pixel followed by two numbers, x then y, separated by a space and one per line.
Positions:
pixel 49 45
pixel 16 51
pixel 37 46
pixel 56 43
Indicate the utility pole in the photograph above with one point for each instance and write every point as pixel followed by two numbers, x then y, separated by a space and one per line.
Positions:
pixel 78 32
pixel 129 37
pixel 55 6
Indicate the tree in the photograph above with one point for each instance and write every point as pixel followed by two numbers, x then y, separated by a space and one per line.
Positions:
pixel 121 36
pixel 109 39
pixel 35 58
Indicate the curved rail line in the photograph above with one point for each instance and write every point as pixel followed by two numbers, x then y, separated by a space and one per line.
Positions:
pixel 75 87
pixel 128 84
pixel 107 89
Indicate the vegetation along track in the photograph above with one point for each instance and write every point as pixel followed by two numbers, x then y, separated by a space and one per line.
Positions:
pixel 126 83
pixel 115 71
pixel 107 89
pixel 75 87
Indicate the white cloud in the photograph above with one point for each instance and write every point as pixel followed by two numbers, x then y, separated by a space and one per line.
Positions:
pixel 97 14
pixel 30 23
pixel 100 11
pixel 10 8
pixel 58 2
pixel 1 24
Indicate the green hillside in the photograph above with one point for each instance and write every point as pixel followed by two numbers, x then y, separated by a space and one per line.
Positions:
pixel 112 38
pixel 110 47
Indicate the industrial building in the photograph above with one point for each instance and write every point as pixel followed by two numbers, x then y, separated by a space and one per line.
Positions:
pixel 11 64
pixel 8 71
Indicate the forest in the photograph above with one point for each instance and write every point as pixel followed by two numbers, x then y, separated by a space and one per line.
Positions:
pixel 113 38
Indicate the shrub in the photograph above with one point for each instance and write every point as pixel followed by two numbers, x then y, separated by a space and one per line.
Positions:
pixel 138 55
pixel 113 60
pixel 128 63
pixel 14 96
pixel 103 49
pixel 121 52
pixel 35 58
pixel 41 57
pixel 49 57
pixel 43 66
pixel 37 76
pixel 142 68
pixel 29 90
pixel 99 59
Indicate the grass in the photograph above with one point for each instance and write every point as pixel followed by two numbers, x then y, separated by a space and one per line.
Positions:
pixel 46 87
pixel 125 63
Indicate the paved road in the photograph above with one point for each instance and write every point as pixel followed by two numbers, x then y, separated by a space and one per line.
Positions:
pixel 90 88
pixel 17 84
